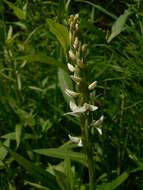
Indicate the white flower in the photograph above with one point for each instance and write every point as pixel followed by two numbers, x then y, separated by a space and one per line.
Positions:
pixel 90 107
pixel 70 67
pixel 76 140
pixel 78 110
pixel 71 93
pixel 98 122
pixel 73 106
pixel 92 85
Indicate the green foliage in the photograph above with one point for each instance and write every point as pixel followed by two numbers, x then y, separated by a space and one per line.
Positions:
pixel 115 183
pixel 118 25
pixel 65 83
pixel 33 43
pixel 62 153
pixel 60 32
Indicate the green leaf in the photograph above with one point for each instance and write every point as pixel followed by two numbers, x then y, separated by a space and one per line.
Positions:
pixel 38 173
pixel 38 186
pixel 12 136
pixel 62 180
pixel 39 57
pixel 17 11
pixel 3 150
pixel 18 131
pixel 65 82
pixel 115 183
pixel 25 117
pixel 119 180
pixel 136 160
pixel 61 33
pixel 61 153
pixel 118 26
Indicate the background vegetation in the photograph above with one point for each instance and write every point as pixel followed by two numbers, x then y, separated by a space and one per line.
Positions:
pixel 33 77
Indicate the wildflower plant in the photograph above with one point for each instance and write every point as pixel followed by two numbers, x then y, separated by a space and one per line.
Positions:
pixel 82 103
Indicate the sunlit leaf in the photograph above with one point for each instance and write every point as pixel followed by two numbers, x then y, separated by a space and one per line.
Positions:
pixel 65 82
pixel 61 33
pixel 118 26
pixel 17 11
pixel 62 153
pixel 3 150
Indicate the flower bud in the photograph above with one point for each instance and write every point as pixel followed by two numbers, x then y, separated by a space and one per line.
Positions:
pixel 71 93
pixel 76 79
pixel 71 67
pixel 84 49
pixel 72 55
pixel 76 42
pixel 77 27
pixel 76 17
pixel 92 85
pixel 71 19
pixel 80 64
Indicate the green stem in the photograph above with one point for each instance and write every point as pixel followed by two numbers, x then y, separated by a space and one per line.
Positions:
pixel 89 155
pixel 120 135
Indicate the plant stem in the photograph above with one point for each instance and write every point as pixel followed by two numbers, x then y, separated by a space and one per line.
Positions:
pixel 89 155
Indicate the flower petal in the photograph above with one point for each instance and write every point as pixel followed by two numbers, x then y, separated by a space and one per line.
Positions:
pixel 98 122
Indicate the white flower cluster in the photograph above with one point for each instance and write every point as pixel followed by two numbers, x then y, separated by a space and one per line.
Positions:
pixel 75 64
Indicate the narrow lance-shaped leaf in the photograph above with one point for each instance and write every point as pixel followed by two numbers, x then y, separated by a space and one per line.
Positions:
pixel 65 82
pixel 18 131
pixel 38 173
pixel 115 183
pixel 61 153
pixel 61 33
pixel 118 26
